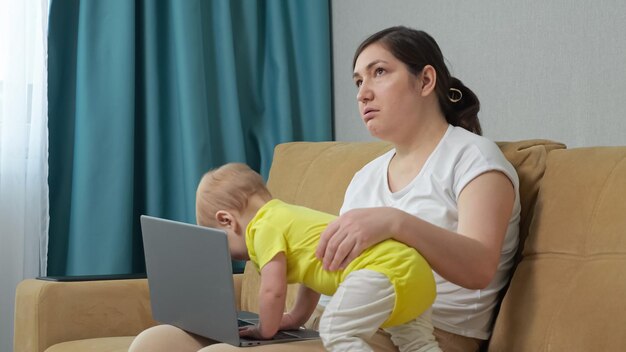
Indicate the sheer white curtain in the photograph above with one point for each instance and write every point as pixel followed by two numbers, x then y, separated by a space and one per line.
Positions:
pixel 23 151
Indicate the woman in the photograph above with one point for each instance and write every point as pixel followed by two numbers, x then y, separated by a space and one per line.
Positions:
pixel 443 189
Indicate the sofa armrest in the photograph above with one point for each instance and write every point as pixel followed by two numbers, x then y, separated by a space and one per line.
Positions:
pixel 49 312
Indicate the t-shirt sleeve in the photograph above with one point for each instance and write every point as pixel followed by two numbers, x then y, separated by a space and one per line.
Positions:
pixel 475 160
pixel 268 241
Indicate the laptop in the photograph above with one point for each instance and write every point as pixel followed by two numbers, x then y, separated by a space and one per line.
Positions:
pixel 190 277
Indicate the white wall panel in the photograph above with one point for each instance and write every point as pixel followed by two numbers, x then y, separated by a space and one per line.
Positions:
pixel 542 69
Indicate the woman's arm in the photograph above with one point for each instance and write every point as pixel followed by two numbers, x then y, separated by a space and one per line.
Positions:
pixel 468 258
pixel 272 297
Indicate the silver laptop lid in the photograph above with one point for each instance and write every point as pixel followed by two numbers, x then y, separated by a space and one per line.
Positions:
pixel 190 277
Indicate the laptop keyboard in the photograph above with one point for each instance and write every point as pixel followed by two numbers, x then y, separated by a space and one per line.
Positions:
pixel 279 335
pixel 241 323
pixel 282 335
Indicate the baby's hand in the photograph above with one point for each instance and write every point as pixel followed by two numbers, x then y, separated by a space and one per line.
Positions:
pixel 288 322
pixel 253 332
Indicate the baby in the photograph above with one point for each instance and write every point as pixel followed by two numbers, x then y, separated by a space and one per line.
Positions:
pixel 390 285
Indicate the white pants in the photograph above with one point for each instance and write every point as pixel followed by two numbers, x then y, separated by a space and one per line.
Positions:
pixel 359 307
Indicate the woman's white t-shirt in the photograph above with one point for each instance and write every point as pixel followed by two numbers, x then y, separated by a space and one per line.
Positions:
pixel 432 196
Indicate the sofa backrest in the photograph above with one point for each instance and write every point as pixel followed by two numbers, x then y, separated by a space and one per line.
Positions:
pixel 316 174
pixel 568 293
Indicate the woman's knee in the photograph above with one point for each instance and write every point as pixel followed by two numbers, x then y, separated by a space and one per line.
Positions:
pixel 167 338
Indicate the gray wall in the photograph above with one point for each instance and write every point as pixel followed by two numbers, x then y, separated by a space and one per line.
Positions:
pixel 542 69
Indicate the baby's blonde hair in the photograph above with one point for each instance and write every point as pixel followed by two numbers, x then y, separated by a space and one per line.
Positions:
pixel 227 188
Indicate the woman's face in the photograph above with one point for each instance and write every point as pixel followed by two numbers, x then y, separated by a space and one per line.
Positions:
pixel 388 94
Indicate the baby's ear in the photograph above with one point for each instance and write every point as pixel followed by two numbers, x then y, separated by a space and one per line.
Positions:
pixel 224 219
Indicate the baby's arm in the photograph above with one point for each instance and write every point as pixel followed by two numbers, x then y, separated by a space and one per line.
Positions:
pixel 271 299
pixel 305 304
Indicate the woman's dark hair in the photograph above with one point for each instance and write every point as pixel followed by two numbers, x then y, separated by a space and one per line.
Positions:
pixel 417 49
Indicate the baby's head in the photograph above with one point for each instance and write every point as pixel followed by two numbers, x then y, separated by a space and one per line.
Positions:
pixel 227 198
pixel 227 188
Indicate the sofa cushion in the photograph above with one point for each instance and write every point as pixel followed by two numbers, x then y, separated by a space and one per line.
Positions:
pixel 568 292
pixel 312 174
pixel 529 160
pixel 316 174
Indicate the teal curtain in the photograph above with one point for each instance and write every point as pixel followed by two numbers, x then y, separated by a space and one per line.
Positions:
pixel 145 96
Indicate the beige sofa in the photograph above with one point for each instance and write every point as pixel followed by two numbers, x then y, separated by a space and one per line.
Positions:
pixel 567 294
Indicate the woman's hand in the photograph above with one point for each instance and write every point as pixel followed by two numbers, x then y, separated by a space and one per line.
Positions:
pixel 349 235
